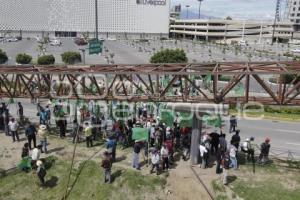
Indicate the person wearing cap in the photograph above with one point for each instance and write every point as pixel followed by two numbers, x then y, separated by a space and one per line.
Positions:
pixel 88 135
pixel 41 172
pixel 155 161
pixel 30 133
pixel 106 164
pixel 264 151
pixel 42 133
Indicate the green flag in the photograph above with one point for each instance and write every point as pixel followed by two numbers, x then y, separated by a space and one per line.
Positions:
pixel 167 117
pixel 140 134
pixel 239 89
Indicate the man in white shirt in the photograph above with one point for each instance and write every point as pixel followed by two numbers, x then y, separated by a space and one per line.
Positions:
pixel 232 154
pixel 155 162
pixel 35 155
pixel 13 127
pixel 203 154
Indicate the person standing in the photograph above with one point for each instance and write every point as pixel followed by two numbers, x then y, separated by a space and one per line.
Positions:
pixel 13 127
pixel 106 165
pixel 41 172
pixel 136 152
pixel 236 139
pixel 48 115
pixel 75 131
pixel 155 162
pixel 264 151
pixel 20 112
pixel 111 147
pixel 204 155
pixel 165 157
pixel 42 133
pixel 30 133
pixel 88 135
pixel 6 121
pixel 233 123
pixel 225 164
pixel 232 154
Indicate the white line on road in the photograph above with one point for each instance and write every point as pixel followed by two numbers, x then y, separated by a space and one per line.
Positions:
pixel 296 144
pixel 271 129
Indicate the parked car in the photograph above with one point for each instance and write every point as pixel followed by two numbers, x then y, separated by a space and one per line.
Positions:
pixel 55 42
pixel 80 41
pixel 11 39
pixel 19 37
pixel 296 50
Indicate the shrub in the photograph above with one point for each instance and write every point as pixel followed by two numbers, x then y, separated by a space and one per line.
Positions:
pixel 46 60
pixel 23 58
pixel 169 56
pixel 3 57
pixel 71 57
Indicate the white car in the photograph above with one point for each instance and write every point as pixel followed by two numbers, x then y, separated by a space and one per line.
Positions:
pixel 11 39
pixel 242 42
pixel 55 43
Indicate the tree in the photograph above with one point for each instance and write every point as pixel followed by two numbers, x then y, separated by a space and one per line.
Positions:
pixel 23 58
pixel 3 57
pixel 228 18
pixel 46 60
pixel 71 57
pixel 169 56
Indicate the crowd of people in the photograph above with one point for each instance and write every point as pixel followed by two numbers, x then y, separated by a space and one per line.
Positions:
pixel 159 148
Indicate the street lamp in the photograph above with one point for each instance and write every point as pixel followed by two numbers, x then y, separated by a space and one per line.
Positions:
pixel 200 1
pixel 96 19
pixel 187 11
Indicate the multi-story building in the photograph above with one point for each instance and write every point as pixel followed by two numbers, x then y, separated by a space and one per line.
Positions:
pixel 220 29
pixel 117 18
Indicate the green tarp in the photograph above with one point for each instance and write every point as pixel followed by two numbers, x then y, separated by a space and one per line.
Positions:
pixel 140 134
pixel 25 163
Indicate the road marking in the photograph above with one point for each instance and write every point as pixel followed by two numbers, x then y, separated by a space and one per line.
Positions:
pixel 288 131
pixel 271 129
pixel 296 144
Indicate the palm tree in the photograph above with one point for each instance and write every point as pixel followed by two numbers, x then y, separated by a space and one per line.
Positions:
pixel 200 1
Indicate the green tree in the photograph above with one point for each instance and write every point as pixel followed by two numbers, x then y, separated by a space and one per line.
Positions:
pixel 169 56
pixel 71 57
pixel 3 57
pixel 23 58
pixel 46 60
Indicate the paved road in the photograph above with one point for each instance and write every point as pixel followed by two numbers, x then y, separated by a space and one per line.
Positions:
pixel 285 136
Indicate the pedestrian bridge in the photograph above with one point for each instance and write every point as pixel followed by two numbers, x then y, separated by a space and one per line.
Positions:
pixel 228 82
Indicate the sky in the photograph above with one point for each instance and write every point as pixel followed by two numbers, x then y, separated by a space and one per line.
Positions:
pixel 237 9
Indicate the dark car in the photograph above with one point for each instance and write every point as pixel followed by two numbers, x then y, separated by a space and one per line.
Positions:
pixel 80 41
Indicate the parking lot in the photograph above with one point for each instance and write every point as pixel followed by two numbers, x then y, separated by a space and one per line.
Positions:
pixel 134 52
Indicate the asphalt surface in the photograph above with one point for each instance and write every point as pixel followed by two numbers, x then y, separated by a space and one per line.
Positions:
pixel 285 136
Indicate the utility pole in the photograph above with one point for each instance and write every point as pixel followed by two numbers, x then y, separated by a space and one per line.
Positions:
pixel 96 18
pixel 200 1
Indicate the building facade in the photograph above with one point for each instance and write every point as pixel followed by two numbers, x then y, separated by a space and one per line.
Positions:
pixel 220 29
pixel 116 18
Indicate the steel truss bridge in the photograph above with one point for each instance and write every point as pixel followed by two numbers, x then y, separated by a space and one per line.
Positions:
pixel 156 82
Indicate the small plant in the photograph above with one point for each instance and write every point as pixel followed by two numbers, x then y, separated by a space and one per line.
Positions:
pixel 46 60
pixel 71 57
pixel 3 57
pixel 23 58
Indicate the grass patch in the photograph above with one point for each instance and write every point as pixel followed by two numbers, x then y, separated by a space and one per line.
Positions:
pixel 270 189
pixel 88 178
pixel 217 186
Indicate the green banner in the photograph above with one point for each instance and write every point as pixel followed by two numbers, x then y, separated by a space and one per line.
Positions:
pixel 239 89
pixel 167 117
pixel 207 81
pixel 140 134
pixel 215 121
